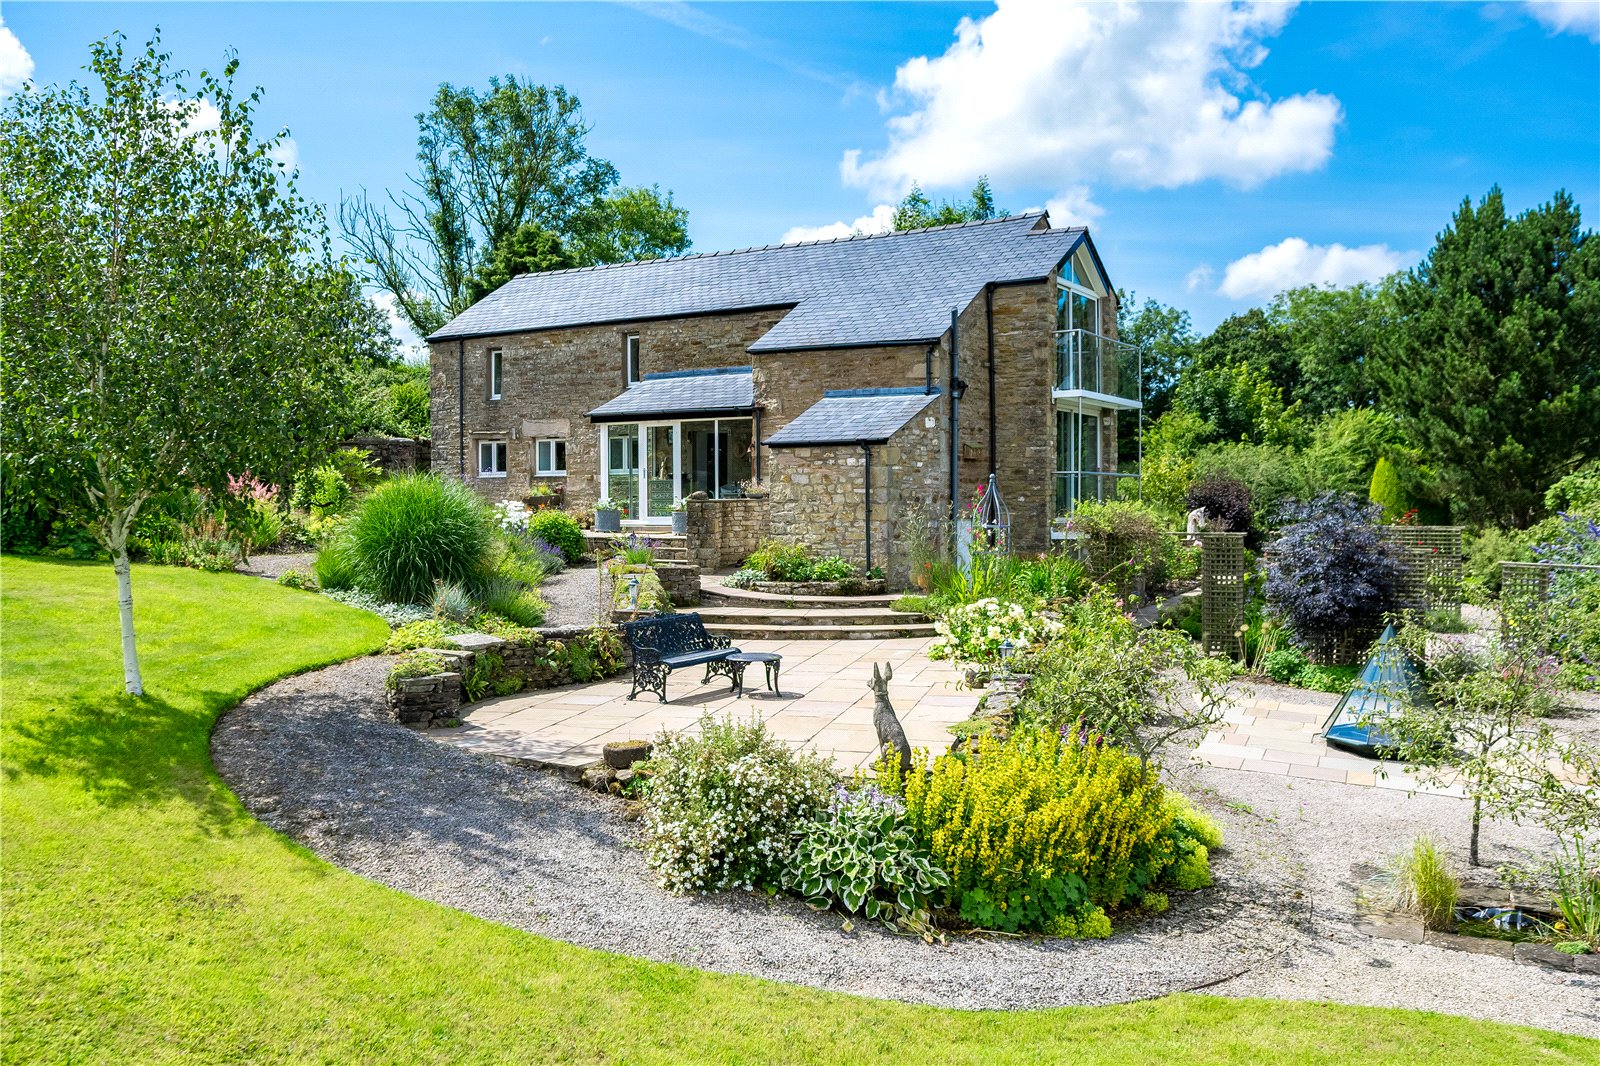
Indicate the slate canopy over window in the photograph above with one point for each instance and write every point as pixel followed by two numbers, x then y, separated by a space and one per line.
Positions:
pixel 492 458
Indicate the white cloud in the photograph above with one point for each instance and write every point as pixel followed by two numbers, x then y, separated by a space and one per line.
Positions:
pixel 1581 17
pixel 412 347
pixel 1073 207
pixel 880 221
pixel 286 153
pixel 201 118
pixel 1292 263
pixel 16 65
pixel 1061 93
pixel 1198 278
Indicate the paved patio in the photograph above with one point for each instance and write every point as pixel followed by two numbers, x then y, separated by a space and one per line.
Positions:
pixel 1270 735
pixel 824 705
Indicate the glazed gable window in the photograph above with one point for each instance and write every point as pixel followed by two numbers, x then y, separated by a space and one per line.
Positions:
pixel 491 458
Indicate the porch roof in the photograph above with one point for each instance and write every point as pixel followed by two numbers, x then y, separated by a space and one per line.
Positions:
pixel 727 391
pixel 853 416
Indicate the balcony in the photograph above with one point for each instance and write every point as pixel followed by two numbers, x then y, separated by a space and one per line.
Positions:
pixel 1097 370
pixel 1075 486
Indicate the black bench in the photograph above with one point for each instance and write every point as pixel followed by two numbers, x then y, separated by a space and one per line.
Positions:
pixel 662 644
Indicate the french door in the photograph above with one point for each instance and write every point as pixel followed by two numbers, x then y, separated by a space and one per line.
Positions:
pixel 642 469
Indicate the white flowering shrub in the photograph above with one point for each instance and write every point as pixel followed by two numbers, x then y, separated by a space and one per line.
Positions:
pixel 724 804
pixel 975 631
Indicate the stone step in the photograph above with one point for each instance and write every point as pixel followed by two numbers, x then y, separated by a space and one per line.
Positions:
pixel 713 591
pixel 807 616
pixel 820 632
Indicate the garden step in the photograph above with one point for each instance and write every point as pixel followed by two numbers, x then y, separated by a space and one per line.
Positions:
pixel 713 591
pixel 738 632
pixel 806 616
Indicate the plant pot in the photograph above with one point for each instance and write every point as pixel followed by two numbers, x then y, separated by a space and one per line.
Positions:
pixel 680 522
pixel 622 754
pixel 607 520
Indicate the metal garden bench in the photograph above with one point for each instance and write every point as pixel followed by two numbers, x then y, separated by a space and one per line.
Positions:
pixel 667 642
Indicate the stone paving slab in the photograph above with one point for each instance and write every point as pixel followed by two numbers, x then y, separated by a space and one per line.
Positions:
pixel 824 705
pixel 1283 738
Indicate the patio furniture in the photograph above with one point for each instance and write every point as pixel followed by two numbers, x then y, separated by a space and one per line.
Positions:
pixel 768 659
pixel 662 644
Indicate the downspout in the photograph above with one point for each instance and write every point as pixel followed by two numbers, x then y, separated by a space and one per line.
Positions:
pixel 757 442
pixel 988 310
pixel 461 404
pixel 866 450
pixel 927 370
pixel 955 422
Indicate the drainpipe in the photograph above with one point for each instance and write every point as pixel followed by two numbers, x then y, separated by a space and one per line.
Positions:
pixel 461 403
pixel 927 371
pixel 866 450
pixel 955 422
pixel 757 443
pixel 988 310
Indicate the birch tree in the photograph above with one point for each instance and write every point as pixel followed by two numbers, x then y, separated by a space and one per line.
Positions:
pixel 172 313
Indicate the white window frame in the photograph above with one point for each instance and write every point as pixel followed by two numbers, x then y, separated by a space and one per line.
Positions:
pixel 630 359
pixel 501 452
pixel 497 373
pixel 539 468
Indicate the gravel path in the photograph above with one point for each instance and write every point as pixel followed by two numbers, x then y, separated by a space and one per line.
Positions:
pixel 315 757
pixel 572 596
pixel 274 566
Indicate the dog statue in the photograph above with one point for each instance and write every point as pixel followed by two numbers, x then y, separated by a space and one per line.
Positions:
pixel 884 719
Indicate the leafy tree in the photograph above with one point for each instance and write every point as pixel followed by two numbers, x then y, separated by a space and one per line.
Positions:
pixel 1346 446
pixel 1241 403
pixel 917 211
pixel 172 311
pixel 490 164
pixel 528 249
pixel 1168 341
pixel 1481 717
pixel 1493 360
pixel 1255 340
pixel 1328 337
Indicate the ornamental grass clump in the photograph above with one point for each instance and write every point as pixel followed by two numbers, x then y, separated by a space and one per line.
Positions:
pixel 416 530
pixel 723 805
pixel 1045 834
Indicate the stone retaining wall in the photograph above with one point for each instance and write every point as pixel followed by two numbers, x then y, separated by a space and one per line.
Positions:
pixel 723 532
pixel 396 455
pixel 681 582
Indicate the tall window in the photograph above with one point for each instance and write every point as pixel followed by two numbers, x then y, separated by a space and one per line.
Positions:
pixel 491 458
pixel 496 373
pixel 630 356
pixel 550 458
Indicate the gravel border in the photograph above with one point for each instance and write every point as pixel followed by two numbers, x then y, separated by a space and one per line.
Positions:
pixel 573 596
pixel 316 757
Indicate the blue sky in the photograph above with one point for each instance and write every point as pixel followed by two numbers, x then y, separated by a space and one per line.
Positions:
pixel 1218 153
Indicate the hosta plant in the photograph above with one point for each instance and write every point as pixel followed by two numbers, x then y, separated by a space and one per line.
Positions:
pixel 859 857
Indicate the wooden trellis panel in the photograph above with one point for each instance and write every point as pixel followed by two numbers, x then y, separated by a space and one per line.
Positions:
pixel 1433 558
pixel 1221 592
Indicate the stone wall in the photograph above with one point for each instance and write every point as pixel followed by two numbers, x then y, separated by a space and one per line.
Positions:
pixel 723 532
pixel 819 494
pixel 395 455
pixel 681 582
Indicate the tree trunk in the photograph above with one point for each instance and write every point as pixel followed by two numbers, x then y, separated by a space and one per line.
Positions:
pixel 131 680
pixel 1477 819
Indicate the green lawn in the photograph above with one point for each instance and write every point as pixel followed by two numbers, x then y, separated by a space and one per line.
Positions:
pixel 149 918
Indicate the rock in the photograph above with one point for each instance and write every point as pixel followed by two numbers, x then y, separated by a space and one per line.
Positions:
pixel 624 776
pixel 599 777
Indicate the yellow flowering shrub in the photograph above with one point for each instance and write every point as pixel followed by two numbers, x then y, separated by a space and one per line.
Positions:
pixel 1044 834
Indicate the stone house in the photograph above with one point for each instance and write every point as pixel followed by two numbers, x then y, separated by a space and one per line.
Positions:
pixel 830 392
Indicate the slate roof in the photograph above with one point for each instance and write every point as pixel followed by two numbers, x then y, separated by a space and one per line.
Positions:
pixel 682 392
pixel 853 416
pixel 892 288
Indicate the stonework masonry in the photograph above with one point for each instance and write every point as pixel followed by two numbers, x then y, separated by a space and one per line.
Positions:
pixel 551 378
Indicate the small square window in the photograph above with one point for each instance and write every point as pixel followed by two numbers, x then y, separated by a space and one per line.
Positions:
pixel 491 458
pixel 630 349
pixel 550 458
pixel 496 373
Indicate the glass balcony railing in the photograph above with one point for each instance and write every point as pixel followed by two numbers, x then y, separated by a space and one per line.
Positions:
pixel 1091 363
pixel 1075 486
